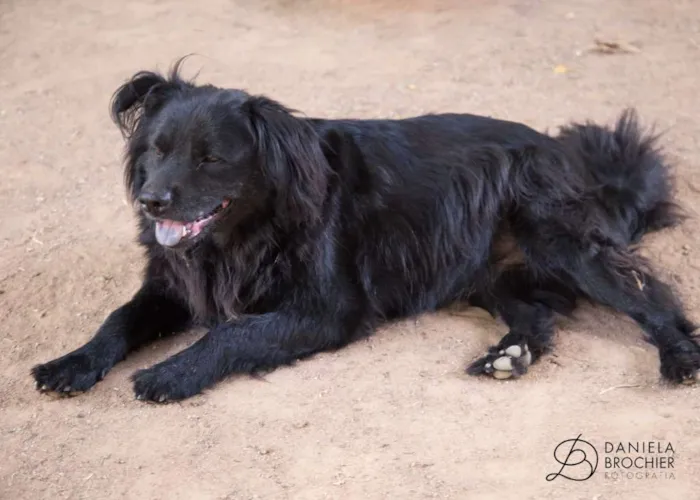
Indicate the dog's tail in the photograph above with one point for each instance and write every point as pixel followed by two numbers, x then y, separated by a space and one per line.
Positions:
pixel 628 174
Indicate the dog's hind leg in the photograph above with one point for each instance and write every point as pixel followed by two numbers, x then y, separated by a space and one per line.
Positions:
pixel 528 309
pixel 530 336
pixel 616 279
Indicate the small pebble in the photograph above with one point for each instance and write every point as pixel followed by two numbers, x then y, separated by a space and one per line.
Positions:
pixel 503 363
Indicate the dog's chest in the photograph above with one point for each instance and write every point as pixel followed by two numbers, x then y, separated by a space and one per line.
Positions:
pixel 219 289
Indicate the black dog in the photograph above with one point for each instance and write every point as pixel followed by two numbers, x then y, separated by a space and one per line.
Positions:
pixel 287 236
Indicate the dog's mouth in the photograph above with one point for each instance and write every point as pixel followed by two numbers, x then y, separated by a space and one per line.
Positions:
pixel 170 233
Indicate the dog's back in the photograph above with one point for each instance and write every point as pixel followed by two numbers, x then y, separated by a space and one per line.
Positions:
pixel 436 196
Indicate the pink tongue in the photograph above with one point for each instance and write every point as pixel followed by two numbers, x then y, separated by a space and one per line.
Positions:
pixel 169 232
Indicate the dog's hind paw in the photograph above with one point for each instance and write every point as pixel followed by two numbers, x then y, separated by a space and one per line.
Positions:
pixel 681 363
pixel 503 362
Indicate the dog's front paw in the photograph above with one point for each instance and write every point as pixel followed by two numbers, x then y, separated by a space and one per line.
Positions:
pixel 73 373
pixel 162 383
pixel 681 362
pixel 503 362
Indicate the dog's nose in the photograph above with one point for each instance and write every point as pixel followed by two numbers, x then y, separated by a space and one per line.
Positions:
pixel 155 203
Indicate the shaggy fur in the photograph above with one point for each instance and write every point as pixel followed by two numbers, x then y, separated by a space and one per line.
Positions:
pixel 326 229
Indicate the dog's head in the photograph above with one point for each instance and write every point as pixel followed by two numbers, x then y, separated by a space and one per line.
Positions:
pixel 201 159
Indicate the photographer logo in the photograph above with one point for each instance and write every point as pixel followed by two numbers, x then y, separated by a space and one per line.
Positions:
pixel 578 460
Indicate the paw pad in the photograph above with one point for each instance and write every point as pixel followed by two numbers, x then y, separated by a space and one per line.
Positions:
pixel 513 360
pixel 505 363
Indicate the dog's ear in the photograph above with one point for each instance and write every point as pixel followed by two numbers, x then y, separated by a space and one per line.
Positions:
pixel 142 95
pixel 291 157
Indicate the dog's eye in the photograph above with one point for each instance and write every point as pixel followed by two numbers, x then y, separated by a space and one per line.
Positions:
pixel 208 160
pixel 158 152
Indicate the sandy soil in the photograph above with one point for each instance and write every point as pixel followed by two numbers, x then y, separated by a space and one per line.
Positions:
pixel 391 417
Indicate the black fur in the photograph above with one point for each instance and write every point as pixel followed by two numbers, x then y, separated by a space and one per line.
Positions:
pixel 337 226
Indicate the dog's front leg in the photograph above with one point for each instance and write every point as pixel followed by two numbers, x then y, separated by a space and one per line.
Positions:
pixel 246 345
pixel 150 314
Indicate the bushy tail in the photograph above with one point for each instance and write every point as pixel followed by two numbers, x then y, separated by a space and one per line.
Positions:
pixel 627 173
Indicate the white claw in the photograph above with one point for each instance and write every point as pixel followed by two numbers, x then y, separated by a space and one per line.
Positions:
pixel 161 398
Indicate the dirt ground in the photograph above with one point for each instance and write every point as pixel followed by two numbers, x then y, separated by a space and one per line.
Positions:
pixel 391 417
